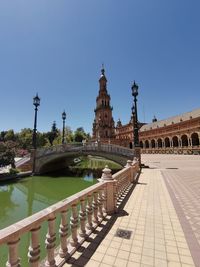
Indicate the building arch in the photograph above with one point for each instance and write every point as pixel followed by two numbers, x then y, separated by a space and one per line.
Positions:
pixel 153 143
pixel 167 142
pixel 160 143
pixel 175 141
pixel 141 144
pixel 195 139
pixel 184 140
pixel 147 143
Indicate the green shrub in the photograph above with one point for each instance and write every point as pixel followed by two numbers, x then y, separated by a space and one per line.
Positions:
pixel 13 171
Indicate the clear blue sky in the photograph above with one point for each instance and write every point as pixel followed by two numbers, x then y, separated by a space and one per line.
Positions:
pixel 56 48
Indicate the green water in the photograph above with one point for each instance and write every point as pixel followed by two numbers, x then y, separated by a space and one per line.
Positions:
pixel 20 199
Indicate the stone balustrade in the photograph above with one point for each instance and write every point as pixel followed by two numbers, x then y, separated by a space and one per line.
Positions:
pixel 109 148
pixel 87 208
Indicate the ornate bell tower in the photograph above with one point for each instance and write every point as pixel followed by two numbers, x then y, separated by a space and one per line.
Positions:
pixel 104 125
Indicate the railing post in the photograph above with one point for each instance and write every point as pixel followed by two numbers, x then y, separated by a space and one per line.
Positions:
pixel 13 259
pixel 82 216
pixel 95 208
pixel 89 213
pixel 129 165
pixel 74 225
pixel 110 190
pixel 34 248
pixel 100 203
pixel 50 243
pixel 63 231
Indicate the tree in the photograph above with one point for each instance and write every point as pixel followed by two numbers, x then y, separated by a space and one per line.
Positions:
pixel 7 154
pixel 52 134
pixel 25 138
pixel 2 136
pixel 79 135
pixel 10 136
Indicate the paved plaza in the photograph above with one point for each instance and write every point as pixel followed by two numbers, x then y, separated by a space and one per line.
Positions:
pixel 161 217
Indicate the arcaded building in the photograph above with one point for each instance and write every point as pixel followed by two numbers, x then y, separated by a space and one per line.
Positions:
pixel 178 134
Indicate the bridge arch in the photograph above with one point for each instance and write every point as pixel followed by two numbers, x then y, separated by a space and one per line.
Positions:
pixel 60 156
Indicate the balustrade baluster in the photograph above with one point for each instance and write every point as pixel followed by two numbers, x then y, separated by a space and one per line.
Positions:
pixel 34 248
pixel 104 196
pixel 89 213
pixel 50 243
pixel 74 225
pixel 13 259
pixel 100 203
pixel 82 216
pixel 95 208
pixel 63 231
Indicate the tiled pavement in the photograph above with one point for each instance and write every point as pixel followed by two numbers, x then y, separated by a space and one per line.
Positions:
pixel 157 236
pixel 184 190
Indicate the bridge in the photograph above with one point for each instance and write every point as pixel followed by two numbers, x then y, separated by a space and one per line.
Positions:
pixel 58 157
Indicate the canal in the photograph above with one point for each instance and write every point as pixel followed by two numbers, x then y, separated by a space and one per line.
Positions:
pixel 20 199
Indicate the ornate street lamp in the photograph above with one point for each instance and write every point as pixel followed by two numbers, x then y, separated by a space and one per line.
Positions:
pixel 135 117
pixel 135 123
pixel 36 103
pixel 63 133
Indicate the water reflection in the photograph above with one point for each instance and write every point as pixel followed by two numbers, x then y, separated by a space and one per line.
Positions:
pixel 6 192
pixel 89 177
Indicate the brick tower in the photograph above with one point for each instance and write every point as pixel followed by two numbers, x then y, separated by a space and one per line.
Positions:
pixel 104 125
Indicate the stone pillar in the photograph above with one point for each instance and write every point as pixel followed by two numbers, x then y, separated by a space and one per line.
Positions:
pixel 138 154
pixel 171 142
pixel 189 141
pixel 129 165
pixel 180 142
pixel 110 190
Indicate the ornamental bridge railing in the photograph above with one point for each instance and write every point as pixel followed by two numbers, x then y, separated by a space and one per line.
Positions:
pixel 87 147
pixel 87 209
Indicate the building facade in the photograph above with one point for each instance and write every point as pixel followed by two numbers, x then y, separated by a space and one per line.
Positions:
pixel 178 134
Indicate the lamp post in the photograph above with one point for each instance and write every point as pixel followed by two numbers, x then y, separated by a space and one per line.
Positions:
pixel 63 133
pixel 135 121
pixel 134 112
pixel 36 103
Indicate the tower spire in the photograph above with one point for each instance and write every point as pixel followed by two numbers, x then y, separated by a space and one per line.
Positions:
pixel 102 69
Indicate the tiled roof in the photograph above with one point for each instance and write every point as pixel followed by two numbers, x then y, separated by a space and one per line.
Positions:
pixel 172 120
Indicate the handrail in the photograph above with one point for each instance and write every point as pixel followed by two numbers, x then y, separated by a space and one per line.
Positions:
pixel 95 202
pixel 25 225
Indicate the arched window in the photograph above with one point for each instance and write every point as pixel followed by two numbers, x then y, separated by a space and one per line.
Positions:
pixel 147 144
pixel 167 142
pixel 184 140
pixel 195 139
pixel 159 142
pixel 153 143
pixel 141 144
pixel 175 141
